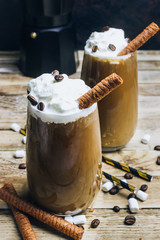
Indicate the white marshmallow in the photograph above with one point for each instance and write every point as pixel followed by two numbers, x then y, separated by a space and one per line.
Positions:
pixel 19 154
pixel 69 219
pixel 123 180
pixel 145 139
pixel 107 186
pixel 24 140
pixel 15 127
pixel 79 219
pixel 141 195
pixel 133 205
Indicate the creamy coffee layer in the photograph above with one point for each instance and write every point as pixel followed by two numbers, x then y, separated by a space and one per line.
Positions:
pixel 52 98
pixel 107 44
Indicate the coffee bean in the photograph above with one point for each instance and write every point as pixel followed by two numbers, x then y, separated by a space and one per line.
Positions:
pixel 128 176
pixel 59 78
pixel 114 190
pixel 129 220
pixel 94 48
pixel 22 166
pixel 80 226
pixel 116 209
pixel 41 106
pixel 104 29
pixel 157 148
pixel 131 195
pixel 144 187
pixel 112 47
pixel 95 223
pixel 32 100
pixel 158 160
pixel 55 72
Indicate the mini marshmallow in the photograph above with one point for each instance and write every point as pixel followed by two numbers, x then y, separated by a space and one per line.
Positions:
pixel 123 180
pixel 133 205
pixel 145 139
pixel 19 154
pixel 15 127
pixel 141 195
pixel 107 186
pixel 79 219
pixel 24 140
pixel 69 219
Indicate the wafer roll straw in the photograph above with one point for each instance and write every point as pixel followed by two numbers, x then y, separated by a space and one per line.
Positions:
pixel 22 220
pixel 127 168
pixel 119 182
pixel 23 131
pixel 56 222
pixel 142 38
pixel 99 91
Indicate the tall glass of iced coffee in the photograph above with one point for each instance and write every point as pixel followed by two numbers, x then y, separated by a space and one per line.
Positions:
pixel 63 145
pixel 118 110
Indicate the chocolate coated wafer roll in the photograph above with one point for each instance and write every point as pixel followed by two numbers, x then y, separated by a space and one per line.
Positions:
pixel 142 38
pixel 56 222
pixel 127 168
pixel 99 91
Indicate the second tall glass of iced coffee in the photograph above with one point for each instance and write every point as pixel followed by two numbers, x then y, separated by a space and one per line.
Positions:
pixel 118 110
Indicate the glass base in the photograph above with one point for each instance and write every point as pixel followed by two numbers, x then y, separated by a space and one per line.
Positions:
pixel 111 149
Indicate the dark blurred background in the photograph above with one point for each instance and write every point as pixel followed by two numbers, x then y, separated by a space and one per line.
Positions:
pixel 88 16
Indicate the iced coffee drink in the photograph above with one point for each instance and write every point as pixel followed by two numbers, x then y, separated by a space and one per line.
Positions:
pixel 118 110
pixel 63 145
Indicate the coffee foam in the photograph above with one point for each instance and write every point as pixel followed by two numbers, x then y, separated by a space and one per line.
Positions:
pixel 103 39
pixel 59 98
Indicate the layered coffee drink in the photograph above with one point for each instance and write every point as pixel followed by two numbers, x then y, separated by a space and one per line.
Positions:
pixel 63 145
pixel 118 110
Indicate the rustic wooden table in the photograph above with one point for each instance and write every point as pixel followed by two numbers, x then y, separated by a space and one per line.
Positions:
pixel 13 110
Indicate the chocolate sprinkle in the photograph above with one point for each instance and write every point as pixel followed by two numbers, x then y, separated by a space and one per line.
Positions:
pixel 104 29
pixel 32 100
pixel 94 48
pixel 112 47
pixel 41 106
pixel 59 78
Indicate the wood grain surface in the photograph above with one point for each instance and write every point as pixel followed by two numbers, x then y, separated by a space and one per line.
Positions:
pixel 140 156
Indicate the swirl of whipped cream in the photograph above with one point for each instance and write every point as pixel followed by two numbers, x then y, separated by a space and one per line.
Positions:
pixel 102 40
pixel 59 98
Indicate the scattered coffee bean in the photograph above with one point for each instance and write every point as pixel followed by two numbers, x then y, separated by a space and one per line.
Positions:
pixel 59 78
pixel 129 220
pixel 157 148
pixel 104 29
pixel 131 195
pixel 114 190
pixel 94 48
pixel 41 106
pixel 112 47
pixel 95 223
pixel 116 209
pixel 55 72
pixel 78 225
pixel 32 100
pixel 128 176
pixel 158 160
pixel 22 166
pixel 144 187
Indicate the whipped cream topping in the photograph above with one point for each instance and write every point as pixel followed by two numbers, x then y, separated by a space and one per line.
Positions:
pixel 59 98
pixel 102 40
